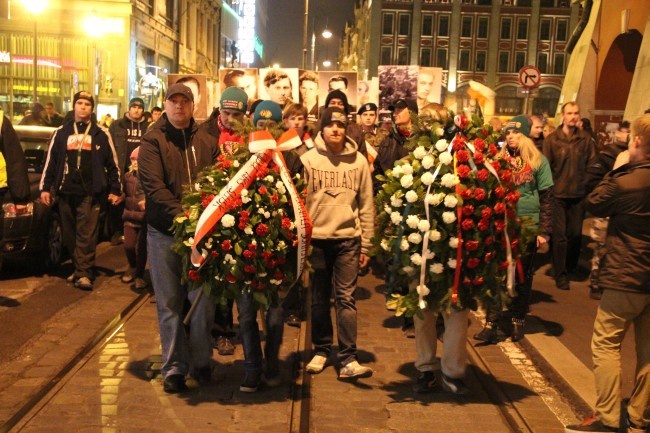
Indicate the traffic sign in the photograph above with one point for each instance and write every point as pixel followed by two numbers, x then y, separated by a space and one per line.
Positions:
pixel 530 76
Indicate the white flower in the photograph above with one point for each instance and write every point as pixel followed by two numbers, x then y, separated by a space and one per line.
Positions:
pixel 411 196
pixel 275 282
pixel 422 304
pixel 406 181
pixel 419 152
pixel 279 185
pixel 435 199
pixel 407 168
pixel 440 132
pixel 416 259
pixel 227 258
pixel 434 235
pixel 384 245
pixel 429 255
pixel 191 240
pixel 451 263
pixel 408 270
pixel 415 238
pixel 208 243
pixel 261 211
pixel 449 180
pixel 235 163
pixel 441 145
pixel 281 246
pixel 395 201
pixel 423 290
pixel 248 230
pixel 395 218
pixel 412 221
pixel 446 158
pixel 451 201
pixel 387 209
pixel 427 162
pixel 228 220
pixel 453 242
pixel 427 178
pixel 197 186
pixel 404 244
pixel 244 193
pixel 436 268
pixel 449 217
pixel 267 215
pixel 210 179
pixel 245 199
pixel 269 179
pixel 397 171
pixel 423 225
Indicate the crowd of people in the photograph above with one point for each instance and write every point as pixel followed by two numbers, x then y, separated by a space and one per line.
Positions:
pixel 140 169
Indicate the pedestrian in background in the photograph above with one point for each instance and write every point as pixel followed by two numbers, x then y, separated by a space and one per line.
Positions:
pixel 135 228
pixel 13 167
pixel 169 160
pixel 343 224
pixel 569 151
pixel 624 197
pixel 81 172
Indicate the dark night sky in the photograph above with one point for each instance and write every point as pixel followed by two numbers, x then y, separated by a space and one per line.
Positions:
pixel 285 29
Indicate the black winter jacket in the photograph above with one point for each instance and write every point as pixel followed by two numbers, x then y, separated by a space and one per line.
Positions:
pixel 16 166
pixel 391 149
pixel 169 160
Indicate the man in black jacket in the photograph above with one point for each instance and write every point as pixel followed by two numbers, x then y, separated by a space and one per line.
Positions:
pixel 13 167
pixel 624 197
pixel 170 158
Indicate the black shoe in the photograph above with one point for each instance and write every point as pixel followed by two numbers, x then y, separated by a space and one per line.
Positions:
pixel 293 320
pixel 251 381
pixel 517 329
pixel 562 283
pixel 454 386
pixel 426 382
pixel 203 375
pixel 224 346
pixel 174 383
pixel 488 334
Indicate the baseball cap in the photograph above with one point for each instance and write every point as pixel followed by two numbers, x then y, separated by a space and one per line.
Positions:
pixel 367 107
pixel 400 104
pixel 333 114
pixel 136 102
pixel 180 89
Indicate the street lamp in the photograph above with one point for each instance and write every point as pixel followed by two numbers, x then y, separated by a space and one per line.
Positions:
pixel 35 7
pixel 326 34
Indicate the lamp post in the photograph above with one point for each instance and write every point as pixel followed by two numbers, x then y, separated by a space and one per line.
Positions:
pixel 35 7
pixel 326 34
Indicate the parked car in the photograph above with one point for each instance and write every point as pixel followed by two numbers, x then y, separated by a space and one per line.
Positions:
pixel 35 235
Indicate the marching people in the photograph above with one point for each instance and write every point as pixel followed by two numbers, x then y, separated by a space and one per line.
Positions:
pixel 569 151
pixel 373 134
pixel 169 160
pixel 342 215
pixel 623 196
pixel 531 174
pixel 80 171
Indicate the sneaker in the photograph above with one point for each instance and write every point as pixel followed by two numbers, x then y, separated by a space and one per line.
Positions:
pixel 71 278
pixel 592 424
pixel 224 346
pixel 140 284
pixel 488 334
pixel 455 386
pixel 562 283
pixel 84 283
pixel 354 371
pixel 293 320
pixel 251 381
pixel 426 382
pixel 317 364
pixel 127 278
pixel 174 383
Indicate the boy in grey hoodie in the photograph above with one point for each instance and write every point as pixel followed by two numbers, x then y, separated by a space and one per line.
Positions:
pixel 340 204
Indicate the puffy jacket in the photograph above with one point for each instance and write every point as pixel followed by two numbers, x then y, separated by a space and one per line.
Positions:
pixel 133 215
pixel 624 197
pixel 169 160
pixel 569 158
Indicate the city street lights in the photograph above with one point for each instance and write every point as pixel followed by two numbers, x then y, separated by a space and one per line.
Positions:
pixel 35 7
pixel 326 34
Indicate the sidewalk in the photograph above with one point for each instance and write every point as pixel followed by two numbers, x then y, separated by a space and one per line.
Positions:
pixel 118 390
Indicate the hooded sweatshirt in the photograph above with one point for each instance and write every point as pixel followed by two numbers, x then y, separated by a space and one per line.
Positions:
pixel 339 193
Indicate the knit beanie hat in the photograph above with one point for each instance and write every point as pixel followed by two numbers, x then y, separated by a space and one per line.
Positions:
pixel 136 102
pixel 234 98
pixel 338 94
pixel 267 110
pixel 331 115
pixel 519 123
pixel 83 95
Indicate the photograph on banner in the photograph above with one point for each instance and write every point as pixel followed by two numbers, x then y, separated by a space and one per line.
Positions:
pixel 244 78
pixel 367 91
pixel 396 82
pixel 198 85
pixel 429 86
pixel 278 85
pixel 308 89
pixel 345 81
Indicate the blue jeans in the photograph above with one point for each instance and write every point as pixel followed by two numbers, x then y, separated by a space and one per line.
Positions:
pixel 336 265
pixel 249 334
pixel 179 350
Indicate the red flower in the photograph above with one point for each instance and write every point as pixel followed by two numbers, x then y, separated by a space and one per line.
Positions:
pixel 488 241
pixel 488 257
pixel 468 210
pixel 483 224
pixel 499 225
pixel 286 223
pixel 473 262
pixel 493 150
pixel 249 254
pixel 471 245
pixel 482 175
pixel 511 213
pixel 467 193
pixel 266 255
pixel 478 281
pixel 194 275
pixel 281 260
pixel 467 224
pixel 499 208
pixel 479 194
pixel 252 247
pixel 458 143
pixel 462 155
pixel 486 212
pixel 506 176
pixel 504 265
pixel 213 253
pixel 250 269
pixel 231 278
pixel 479 145
pixel 479 157
pixel 500 192
pixel 278 275
pixel 514 244
pixel 461 121
pixel 262 230
pixel 463 171
pixel 467 281
pixel 274 199
pixel 262 190
pixel 513 197
pixel 225 245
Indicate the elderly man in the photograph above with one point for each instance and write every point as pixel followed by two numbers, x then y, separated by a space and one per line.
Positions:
pixel 170 159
